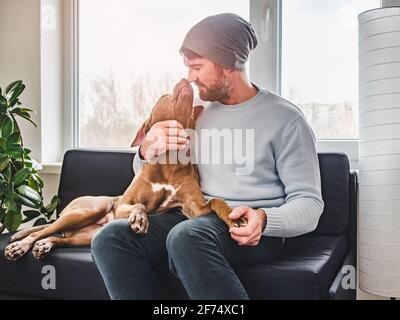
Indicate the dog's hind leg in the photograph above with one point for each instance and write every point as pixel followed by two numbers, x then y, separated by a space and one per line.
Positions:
pixel 78 238
pixel 80 213
pixel 26 232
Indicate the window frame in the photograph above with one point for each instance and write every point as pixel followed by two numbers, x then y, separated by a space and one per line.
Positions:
pixel 71 79
pixel 264 71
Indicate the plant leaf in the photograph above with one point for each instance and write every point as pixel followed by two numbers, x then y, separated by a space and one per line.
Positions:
pixel 12 86
pixel 14 138
pixel 3 144
pixel 15 110
pixel 17 92
pixel 39 222
pixel 3 102
pixel 3 109
pixel 2 214
pixel 13 154
pixel 12 220
pixel 7 172
pixel 27 118
pixel 14 147
pixel 27 201
pixel 12 103
pixel 7 127
pixel 3 163
pixel 27 110
pixel 14 150
pixel 53 204
pixel 33 184
pixel 29 193
pixel 30 215
pixel 21 176
pixel 38 180
pixel 9 200
pixel 27 114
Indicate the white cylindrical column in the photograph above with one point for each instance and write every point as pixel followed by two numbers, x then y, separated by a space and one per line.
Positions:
pixel 379 152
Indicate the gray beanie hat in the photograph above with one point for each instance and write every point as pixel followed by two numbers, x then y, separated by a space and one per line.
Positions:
pixel 225 39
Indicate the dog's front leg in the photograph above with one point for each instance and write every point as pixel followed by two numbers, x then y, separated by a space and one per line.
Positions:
pixel 137 217
pixel 222 209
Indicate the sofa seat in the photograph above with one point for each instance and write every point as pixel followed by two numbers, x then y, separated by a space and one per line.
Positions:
pixel 76 275
pixel 306 270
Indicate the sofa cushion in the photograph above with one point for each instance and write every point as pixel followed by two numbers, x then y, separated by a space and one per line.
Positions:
pixel 305 271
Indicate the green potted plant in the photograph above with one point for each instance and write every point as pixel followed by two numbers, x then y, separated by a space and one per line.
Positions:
pixel 20 183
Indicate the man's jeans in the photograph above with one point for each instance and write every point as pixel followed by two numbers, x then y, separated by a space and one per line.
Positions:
pixel 199 251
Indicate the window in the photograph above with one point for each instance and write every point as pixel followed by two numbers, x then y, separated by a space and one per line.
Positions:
pixel 320 62
pixel 128 57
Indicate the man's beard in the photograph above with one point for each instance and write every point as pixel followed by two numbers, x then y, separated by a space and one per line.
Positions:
pixel 219 91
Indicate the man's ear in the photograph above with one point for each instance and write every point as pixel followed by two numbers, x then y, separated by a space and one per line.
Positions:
pixel 140 135
pixel 196 112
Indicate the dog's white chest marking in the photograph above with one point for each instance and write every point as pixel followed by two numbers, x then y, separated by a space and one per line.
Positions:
pixel 167 187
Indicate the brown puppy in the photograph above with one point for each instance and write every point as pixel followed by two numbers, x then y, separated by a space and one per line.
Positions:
pixel 157 188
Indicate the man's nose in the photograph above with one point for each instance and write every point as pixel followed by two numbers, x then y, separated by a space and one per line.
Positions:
pixel 191 77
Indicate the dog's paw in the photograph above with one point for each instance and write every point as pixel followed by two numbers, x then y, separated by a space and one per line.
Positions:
pixel 42 248
pixel 17 250
pixel 239 223
pixel 138 222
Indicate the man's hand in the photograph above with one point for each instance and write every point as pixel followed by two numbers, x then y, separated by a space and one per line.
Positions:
pixel 162 137
pixel 249 235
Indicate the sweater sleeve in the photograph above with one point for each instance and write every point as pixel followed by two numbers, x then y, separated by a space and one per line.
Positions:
pixel 298 168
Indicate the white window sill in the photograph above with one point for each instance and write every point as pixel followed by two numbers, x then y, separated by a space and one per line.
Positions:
pixel 51 168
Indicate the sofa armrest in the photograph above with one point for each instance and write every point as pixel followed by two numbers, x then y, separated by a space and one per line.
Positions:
pixel 336 291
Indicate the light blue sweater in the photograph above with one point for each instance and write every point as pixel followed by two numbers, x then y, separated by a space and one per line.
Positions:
pixel 279 171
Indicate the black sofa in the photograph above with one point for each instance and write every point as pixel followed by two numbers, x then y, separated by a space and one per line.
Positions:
pixel 309 269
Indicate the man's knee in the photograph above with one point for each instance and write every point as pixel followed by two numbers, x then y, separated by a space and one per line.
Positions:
pixel 107 236
pixel 189 234
pixel 176 235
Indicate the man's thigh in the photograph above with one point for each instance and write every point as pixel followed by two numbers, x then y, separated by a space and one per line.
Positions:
pixel 213 228
pixel 153 242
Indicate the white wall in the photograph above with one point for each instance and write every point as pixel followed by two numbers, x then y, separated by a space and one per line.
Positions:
pixel 20 59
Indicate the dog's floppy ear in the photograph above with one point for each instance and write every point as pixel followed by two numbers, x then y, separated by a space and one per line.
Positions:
pixel 196 111
pixel 140 135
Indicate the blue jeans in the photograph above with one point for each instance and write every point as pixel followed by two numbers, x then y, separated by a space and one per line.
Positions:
pixel 199 251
